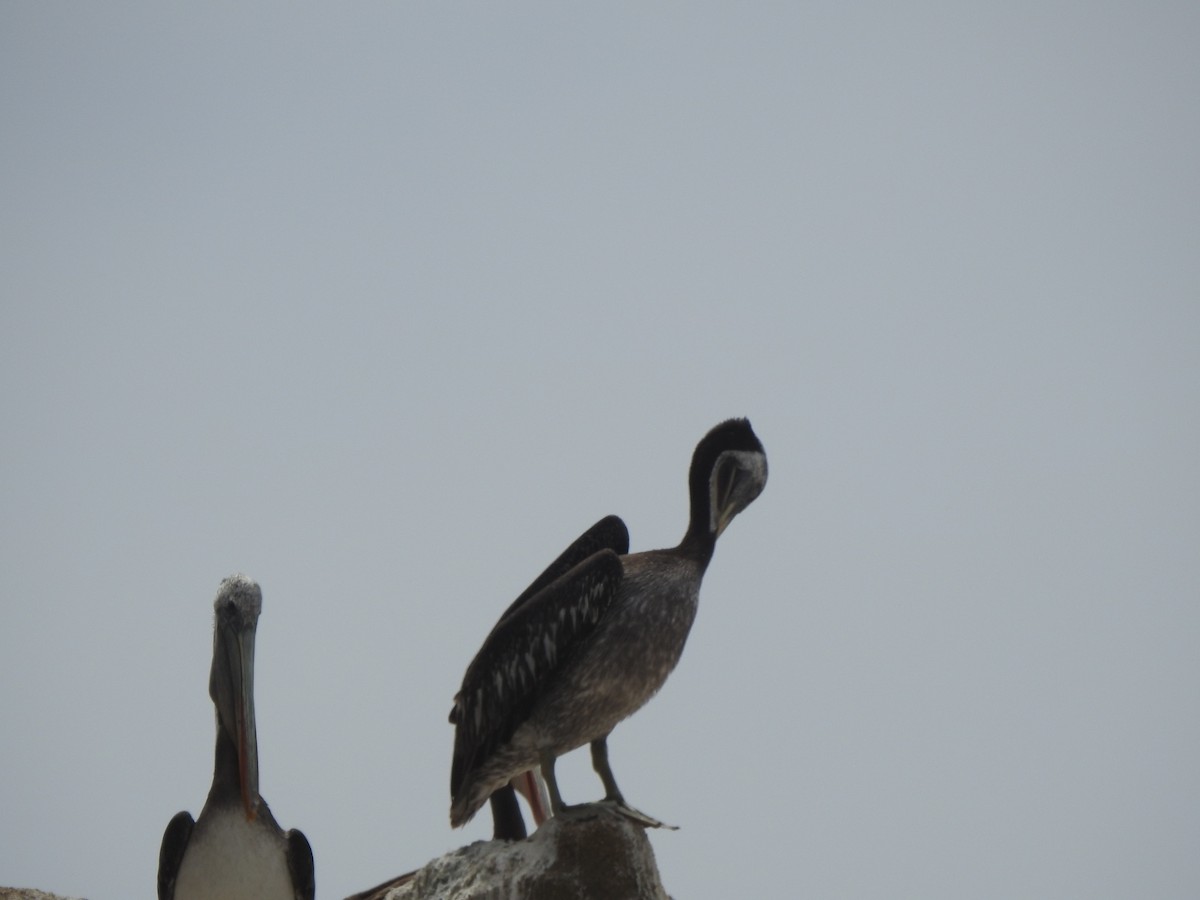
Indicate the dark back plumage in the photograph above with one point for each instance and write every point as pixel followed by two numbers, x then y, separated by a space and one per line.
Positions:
pixel 538 633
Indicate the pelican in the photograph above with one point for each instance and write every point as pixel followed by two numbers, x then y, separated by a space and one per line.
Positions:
pixel 235 850
pixel 591 641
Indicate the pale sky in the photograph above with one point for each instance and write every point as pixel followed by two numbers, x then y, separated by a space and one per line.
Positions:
pixel 383 304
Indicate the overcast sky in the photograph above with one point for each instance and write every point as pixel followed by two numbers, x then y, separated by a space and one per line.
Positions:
pixel 382 305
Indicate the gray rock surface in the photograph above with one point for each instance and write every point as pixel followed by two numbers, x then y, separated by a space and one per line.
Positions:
pixel 592 852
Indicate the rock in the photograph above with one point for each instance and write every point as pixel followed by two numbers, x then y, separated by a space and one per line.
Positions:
pixel 29 894
pixel 591 852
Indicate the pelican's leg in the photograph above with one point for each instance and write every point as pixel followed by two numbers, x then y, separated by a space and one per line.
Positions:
pixel 604 770
pixel 507 822
pixel 612 793
pixel 556 801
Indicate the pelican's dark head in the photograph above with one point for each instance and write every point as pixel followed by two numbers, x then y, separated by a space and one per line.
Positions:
pixel 729 469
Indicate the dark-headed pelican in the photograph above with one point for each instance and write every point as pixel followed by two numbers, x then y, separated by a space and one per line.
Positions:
pixel 591 640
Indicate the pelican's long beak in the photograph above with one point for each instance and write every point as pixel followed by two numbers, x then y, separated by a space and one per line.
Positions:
pixel 726 479
pixel 737 478
pixel 532 787
pixel 238 645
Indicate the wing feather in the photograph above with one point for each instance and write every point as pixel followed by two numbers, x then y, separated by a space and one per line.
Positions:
pixel 609 533
pixel 300 865
pixel 533 639
pixel 170 855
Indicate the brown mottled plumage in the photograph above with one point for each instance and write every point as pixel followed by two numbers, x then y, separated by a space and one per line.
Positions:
pixel 593 638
